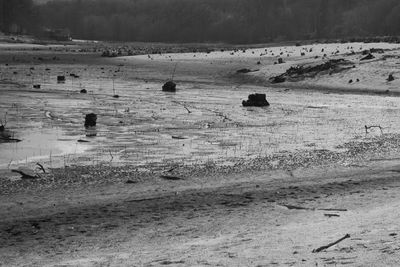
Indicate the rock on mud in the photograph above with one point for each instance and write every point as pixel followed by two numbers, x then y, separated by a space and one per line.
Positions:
pixel 256 100
pixel 60 78
pixel 169 86
pixel 90 120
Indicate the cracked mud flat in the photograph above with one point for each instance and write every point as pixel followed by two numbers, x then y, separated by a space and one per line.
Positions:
pixel 238 167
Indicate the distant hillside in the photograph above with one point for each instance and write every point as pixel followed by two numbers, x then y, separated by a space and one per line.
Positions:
pixel 233 21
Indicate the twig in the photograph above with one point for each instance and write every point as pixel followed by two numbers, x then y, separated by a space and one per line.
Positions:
pixel 9 164
pixel 373 126
pixel 187 109
pixel 291 207
pixel 183 105
pixel 173 73
pixel 41 167
pixel 111 156
pixel 330 244
pixel 4 123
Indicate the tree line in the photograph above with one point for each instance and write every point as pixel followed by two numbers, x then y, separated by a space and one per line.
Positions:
pixel 232 21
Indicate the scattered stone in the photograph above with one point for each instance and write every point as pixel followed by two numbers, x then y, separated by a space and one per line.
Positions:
pixel 115 96
pixel 256 100
pixel 36 86
pixel 60 78
pixel 83 91
pixel 350 81
pixel 390 78
pixel 280 60
pixel 90 120
pixel 169 86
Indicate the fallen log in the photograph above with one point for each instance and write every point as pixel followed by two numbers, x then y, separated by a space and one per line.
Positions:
pixel 172 178
pixel 330 244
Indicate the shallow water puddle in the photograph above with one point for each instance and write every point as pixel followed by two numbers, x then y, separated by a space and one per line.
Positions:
pixel 39 144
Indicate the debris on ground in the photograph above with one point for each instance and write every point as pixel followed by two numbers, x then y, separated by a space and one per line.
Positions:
pixel 256 100
pixel 60 78
pixel 90 120
pixel 26 174
pixel 331 244
pixel 303 71
pixel 368 57
pixel 172 178
pixel 169 86
pixel 245 70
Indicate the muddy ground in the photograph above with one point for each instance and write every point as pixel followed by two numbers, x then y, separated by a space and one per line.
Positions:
pixel 192 178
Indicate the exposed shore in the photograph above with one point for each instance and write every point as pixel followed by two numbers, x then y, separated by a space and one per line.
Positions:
pixel 320 176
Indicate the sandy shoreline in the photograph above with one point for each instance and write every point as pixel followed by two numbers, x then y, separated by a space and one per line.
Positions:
pixel 244 222
pixel 257 208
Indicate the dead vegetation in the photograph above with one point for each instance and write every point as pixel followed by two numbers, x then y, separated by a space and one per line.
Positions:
pixel 300 72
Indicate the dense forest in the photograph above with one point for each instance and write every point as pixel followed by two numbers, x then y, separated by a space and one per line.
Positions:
pixel 233 21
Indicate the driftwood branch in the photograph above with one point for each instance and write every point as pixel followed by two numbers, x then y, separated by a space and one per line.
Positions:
pixel 41 167
pixel 183 105
pixel 331 244
pixel 172 178
pixel 187 109
pixel 333 209
pixel 373 126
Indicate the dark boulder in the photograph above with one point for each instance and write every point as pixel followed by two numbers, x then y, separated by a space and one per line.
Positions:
pixel 36 86
pixel 60 78
pixel 90 120
pixel 256 100
pixel 83 91
pixel 169 86
pixel 390 78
